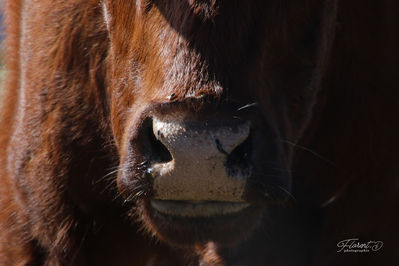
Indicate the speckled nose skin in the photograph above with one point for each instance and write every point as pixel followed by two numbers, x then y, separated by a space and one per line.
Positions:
pixel 197 171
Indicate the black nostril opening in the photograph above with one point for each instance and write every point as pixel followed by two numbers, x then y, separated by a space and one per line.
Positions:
pixel 238 162
pixel 157 151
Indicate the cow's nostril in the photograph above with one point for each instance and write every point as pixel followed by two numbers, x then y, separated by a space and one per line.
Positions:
pixel 158 151
pixel 238 162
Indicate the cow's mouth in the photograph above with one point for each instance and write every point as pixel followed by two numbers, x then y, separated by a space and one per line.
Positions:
pixel 197 208
pixel 185 223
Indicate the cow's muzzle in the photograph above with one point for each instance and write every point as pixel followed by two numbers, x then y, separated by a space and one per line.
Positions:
pixel 200 161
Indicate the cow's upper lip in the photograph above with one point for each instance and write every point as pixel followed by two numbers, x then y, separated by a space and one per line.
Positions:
pixel 197 208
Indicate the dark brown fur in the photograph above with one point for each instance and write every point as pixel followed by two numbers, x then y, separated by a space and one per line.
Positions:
pixel 77 90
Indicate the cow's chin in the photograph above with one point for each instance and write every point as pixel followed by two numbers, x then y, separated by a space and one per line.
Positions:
pixel 186 223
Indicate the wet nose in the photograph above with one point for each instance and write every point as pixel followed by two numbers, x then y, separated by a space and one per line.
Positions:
pixel 205 160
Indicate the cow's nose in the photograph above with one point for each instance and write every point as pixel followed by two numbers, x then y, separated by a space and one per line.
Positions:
pixel 202 161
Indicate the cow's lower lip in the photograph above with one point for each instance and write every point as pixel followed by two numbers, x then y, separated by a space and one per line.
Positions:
pixel 185 223
pixel 197 208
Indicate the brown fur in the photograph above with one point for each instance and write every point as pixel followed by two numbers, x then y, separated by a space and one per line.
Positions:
pixel 78 89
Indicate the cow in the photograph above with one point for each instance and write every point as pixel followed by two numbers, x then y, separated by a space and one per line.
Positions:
pixel 200 132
